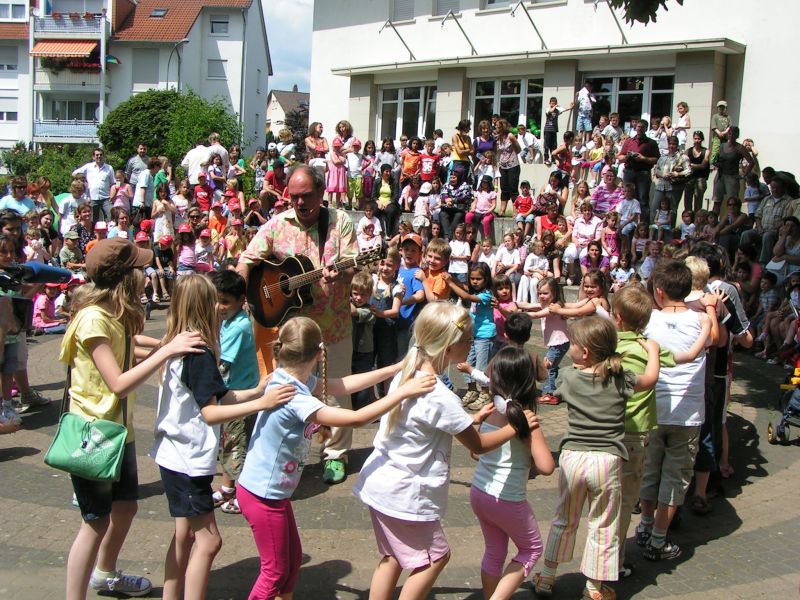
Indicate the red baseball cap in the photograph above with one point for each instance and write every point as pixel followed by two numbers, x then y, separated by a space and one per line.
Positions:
pixel 252 201
pixel 205 233
pixel 185 228
pixel 165 240
pixel 146 225
pixel 216 205
pixel 411 237
pixel 236 222
pixel 141 237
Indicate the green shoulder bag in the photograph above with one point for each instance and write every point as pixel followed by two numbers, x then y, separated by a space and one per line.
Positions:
pixel 91 449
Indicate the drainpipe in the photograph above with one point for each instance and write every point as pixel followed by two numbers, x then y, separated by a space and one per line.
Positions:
pixel 31 76
pixel 243 74
pixel 103 48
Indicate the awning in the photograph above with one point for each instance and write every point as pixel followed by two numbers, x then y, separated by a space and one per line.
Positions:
pixel 64 49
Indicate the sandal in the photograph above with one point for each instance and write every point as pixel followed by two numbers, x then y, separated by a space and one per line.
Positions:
pixel 165 297
pixel 543 586
pixel 231 507
pixel 156 299
pixel 221 497
pixel 548 399
pixel 143 299
pixel 700 506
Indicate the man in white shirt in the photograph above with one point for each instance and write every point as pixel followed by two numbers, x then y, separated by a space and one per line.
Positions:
pixel 529 145
pixel 196 160
pixel 136 164
pixel 217 148
pixel 99 179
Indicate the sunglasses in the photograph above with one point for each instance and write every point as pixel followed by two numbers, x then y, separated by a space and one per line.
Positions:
pixel 20 187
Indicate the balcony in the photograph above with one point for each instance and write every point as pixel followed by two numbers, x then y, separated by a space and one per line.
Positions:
pixel 74 131
pixel 67 80
pixel 72 25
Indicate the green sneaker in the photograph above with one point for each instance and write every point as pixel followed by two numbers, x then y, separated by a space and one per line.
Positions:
pixel 334 471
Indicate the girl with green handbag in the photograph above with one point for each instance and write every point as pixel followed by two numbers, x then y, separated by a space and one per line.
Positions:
pixel 109 317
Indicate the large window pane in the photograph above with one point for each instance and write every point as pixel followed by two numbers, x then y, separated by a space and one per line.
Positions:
pixel 663 82
pixel 430 113
pixel 661 105
pixel 484 107
pixel 390 94
pixel 634 83
pixel 534 113
pixel 411 93
pixel 629 107
pixel 535 86
pixel 410 118
pixel 510 87
pixel 484 88
pixel 509 110
pixel 389 120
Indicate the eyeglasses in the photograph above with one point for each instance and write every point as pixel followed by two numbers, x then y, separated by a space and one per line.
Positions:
pixel 20 187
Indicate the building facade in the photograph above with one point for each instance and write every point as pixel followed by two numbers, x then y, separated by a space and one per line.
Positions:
pixel 66 64
pixel 395 67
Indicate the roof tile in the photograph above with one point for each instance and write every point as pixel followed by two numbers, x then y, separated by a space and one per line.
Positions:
pixel 13 31
pixel 175 25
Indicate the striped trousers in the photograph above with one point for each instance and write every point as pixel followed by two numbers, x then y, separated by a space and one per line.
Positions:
pixel 592 476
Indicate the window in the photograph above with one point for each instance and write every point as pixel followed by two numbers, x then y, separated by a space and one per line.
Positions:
pixel 145 66
pixel 442 7
pixel 8 59
pixel 91 111
pixel 402 10
pixel 159 13
pixel 407 111
pixel 219 24
pixel 216 69
pixel 8 117
pixel 632 96
pixel 515 100
pixel 67 110
pixel 16 11
pixel 8 109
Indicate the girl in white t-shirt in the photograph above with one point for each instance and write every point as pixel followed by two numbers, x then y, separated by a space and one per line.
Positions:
pixel 459 254
pixel 497 494
pixel 536 268
pixel 508 261
pixel 192 401
pixel 405 480
pixel 487 255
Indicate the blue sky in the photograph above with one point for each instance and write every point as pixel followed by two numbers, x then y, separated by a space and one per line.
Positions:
pixel 289 25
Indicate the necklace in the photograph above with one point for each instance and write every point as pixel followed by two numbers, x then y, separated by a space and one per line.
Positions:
pixel 674 307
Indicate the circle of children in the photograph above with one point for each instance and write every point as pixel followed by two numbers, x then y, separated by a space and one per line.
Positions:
pixel 646 393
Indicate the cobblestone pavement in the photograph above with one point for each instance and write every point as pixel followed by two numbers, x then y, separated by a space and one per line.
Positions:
pixel 748 547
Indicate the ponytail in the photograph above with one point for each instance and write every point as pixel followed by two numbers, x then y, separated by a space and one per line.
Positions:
pixel 610 366
pixel 517 420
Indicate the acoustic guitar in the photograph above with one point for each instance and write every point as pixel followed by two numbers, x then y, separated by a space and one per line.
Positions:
pixel 277 290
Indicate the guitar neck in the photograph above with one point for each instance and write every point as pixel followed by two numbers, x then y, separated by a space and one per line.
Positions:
pixel 310 277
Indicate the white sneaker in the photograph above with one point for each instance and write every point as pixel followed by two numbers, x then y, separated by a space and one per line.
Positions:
pixel 130 585
pixel 9 415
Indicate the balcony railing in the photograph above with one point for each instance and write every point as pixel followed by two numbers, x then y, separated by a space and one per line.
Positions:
pixel 65 130
pixel 68 24
pixel 66 77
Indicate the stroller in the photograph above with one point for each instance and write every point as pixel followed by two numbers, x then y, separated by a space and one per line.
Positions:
pixel 786 411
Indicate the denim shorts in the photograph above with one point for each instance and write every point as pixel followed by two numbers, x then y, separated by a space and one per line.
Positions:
pixel 96 497
pixel 583 123
pixel 527 219
pixel 187 496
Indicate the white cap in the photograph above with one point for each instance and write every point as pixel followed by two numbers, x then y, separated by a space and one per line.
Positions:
pixel 426 188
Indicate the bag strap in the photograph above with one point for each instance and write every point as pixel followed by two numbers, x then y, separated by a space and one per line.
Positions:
pixel 322 230
pixel 66 398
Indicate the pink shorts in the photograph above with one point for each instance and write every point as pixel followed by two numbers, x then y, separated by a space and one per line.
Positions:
pixel 414 544
pixel 500 521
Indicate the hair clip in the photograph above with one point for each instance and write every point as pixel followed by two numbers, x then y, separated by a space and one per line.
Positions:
pixel 322 345
pixel 459 324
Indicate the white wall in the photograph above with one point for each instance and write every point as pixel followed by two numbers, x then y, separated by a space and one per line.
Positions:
pixel 759 86
pixel 255 84
pixel 16 85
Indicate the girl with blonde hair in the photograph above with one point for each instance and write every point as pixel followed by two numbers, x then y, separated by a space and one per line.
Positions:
pixel 405 480
pixel 282 438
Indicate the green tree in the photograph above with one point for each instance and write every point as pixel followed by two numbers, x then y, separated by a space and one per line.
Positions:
pixel 169 123
pixel 642 11
pixel 19 160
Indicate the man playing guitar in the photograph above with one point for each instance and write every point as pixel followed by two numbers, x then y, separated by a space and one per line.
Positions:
pixel 295 232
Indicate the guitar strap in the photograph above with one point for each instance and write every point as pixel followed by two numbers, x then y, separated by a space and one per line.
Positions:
pixel 322 231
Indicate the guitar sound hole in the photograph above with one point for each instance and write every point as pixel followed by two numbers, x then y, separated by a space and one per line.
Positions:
pixel 284 284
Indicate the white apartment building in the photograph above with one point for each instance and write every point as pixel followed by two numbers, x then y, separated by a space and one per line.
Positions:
pixel 409 66
pixel 64 64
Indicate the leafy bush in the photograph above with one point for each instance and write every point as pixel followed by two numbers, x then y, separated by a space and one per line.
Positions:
pixel 169 123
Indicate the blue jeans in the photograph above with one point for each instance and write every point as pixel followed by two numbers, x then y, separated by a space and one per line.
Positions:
pixel 479 354
pixel 554 356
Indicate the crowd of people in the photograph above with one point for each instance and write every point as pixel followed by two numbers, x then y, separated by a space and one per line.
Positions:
pixel 660 307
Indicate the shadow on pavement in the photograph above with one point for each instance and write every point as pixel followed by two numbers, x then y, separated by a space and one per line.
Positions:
pixel 16 452
pixel 311 483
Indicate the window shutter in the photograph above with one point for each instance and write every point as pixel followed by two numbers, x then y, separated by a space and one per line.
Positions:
pixel 403 10
pixel 443 6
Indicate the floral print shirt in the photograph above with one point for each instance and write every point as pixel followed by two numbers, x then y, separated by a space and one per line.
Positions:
pixel 283 236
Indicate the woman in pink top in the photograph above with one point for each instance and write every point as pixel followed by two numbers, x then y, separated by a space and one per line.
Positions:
pixel 608 194
pixel 586 228
pixel 482 208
